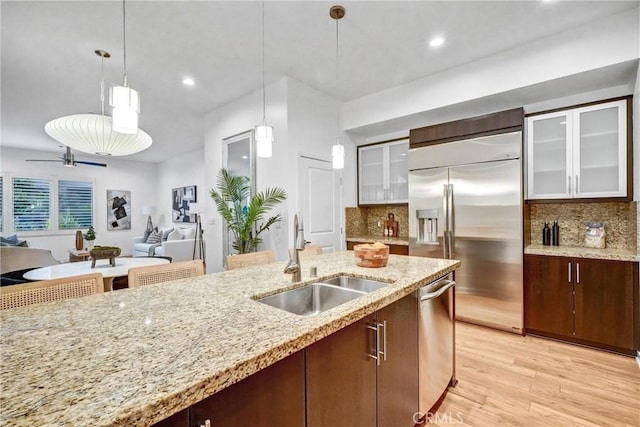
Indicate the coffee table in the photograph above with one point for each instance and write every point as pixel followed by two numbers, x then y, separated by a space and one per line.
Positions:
pixel 102 266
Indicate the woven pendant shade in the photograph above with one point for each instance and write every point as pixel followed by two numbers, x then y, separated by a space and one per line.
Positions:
pixel 93 134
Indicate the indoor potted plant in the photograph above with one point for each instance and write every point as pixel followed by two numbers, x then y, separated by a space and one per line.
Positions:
pixel 89 237
pixel 244 213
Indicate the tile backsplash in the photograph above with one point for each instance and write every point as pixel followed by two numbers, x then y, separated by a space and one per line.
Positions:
pixel 620 222
pixel 364 221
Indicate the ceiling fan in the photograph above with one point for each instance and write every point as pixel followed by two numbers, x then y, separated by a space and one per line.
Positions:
pixel 69 161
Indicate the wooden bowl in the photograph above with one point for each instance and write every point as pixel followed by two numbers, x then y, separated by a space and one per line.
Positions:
pixel 371 255
pixel 102 252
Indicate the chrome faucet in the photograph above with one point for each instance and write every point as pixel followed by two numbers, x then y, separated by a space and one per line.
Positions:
pixel 293 267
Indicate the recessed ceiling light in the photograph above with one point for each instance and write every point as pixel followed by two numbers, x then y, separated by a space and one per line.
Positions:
pixel 188 81
pixel 244 157
pixel 436 41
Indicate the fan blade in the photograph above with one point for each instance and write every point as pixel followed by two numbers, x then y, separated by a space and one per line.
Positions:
pixel 32 160
pixel 104 165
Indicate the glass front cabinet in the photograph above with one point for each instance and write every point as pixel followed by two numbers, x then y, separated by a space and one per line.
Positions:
pixel 578 153
pixel 383 173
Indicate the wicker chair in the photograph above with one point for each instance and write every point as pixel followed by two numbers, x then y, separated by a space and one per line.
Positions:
pixel 308 250
pixel 140 276
pixel 50 290
pixel 247 260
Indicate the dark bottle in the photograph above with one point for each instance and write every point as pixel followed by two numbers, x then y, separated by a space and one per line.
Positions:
pixel 555 234
pixel 546 234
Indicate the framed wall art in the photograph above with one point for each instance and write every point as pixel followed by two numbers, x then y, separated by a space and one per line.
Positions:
pixel 181 198
pixel 118 210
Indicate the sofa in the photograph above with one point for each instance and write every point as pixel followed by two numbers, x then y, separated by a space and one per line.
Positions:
pixel 15 261
pixel 176 243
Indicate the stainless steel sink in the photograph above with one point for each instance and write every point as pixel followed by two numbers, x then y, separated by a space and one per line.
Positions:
pixel 356 283
pixel 311 299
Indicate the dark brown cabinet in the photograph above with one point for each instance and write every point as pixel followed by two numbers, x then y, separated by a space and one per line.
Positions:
pixel 393 249
pixel 271 397
pixel 588 301
pixel 347 385
pixel 365 374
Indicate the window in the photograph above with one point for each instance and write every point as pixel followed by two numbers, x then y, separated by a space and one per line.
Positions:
pixel 50 204
pixel 75 204
pixel 31 204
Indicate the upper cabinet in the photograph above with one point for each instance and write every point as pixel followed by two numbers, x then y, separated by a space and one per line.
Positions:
pixel 383 173
pixel 579 153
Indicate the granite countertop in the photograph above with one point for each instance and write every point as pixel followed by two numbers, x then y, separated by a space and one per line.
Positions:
pixel 386 240
pixel 582 252
pixel 136 356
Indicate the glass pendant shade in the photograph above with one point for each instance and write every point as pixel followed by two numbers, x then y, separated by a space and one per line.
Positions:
pixel 94 134
pixel 126 107
pixel 264 140
pixel 337 156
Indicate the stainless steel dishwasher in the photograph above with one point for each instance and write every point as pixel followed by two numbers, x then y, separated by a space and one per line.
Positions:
pixel 437 341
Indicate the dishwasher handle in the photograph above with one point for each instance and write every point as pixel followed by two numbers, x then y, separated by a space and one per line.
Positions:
pixel 448 284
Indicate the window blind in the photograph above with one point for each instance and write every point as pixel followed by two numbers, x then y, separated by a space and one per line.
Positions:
pixel 75 204
pixel 31 204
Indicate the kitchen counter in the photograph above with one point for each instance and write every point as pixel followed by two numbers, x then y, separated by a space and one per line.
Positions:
pixel 136 356
pixel 404 241
pixel 582 252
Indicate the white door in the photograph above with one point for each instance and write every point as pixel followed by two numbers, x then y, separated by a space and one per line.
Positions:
pixel 320 204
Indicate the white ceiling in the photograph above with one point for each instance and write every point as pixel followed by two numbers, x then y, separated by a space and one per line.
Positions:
pixel 49 68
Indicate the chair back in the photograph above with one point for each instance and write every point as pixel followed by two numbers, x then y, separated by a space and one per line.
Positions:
pixel 247 260
pixel 308 250
pixel 50 290
pixel 141 276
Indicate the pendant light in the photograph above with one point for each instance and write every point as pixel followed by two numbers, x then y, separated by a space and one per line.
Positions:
pixel 123 99
pixel 93 133
pixel 337 151
pixel 263 132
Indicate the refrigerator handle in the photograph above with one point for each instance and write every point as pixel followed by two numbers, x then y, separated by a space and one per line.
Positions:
pixel 452 223
pixel 445 232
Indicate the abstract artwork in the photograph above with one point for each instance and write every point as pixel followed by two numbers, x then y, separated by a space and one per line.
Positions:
pixel 181 198
pixel 118 210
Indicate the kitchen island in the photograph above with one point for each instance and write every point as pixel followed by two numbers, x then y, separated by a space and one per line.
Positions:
pixel 135 357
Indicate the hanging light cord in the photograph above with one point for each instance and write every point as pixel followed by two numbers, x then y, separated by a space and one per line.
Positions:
pixel 337 100
pixel 102 83
pixel 264 96
pixel 124 42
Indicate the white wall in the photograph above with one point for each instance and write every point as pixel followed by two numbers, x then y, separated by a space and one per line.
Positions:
pixel 138 177
pixel 234 118
pixel 303 121
pixel 180 171
pixel 600 44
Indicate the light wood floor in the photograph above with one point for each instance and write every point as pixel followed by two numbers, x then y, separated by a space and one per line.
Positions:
pixel 509 380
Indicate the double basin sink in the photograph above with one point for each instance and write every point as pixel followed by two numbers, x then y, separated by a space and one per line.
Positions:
pixel 321 296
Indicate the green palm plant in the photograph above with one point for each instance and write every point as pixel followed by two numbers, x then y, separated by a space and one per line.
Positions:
pixel 242 212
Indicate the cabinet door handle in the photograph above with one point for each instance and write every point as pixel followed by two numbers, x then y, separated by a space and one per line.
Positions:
pixel 577 272
pixel 569 184
pixel 569 265
pixel 383 352
pixel 577 185
pixel 376 357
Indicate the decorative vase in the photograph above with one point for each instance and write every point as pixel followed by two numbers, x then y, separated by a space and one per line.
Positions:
pixel 79 240
pixel 88 244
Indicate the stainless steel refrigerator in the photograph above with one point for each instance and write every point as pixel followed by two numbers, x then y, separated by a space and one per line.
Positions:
pixel 465 202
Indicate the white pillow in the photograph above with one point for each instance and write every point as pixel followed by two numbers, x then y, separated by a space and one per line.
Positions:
pixel 189 233
pixel 175 235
